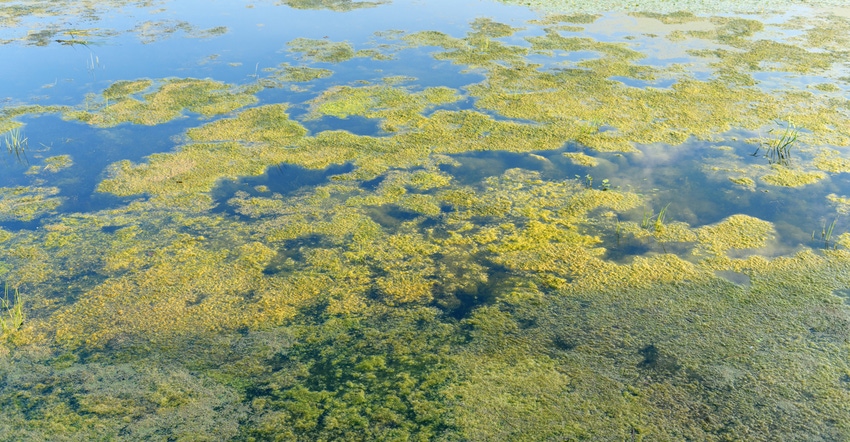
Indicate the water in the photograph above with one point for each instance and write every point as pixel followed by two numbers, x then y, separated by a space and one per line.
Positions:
pixel 423 220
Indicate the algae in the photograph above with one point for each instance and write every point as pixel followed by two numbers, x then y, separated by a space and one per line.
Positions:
pixel 788 177
pixel 170 99
pixel 57 163
pixel 333 5
pixel 402 301
pixel 27 203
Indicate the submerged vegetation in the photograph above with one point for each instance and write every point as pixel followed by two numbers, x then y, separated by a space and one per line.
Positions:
pixel 381 257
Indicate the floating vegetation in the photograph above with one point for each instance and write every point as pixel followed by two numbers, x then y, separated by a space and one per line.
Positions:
pixel 57 163
pixel 299 74
pixel 788 177
pixel 167 102
pixel 375 260
pixel 830 160
pixel 582 159
pixel 333 5
pixel 27 203
pixel 326 51
pixel 156 31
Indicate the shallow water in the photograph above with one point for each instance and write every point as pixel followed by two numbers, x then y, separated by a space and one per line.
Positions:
pixel 418 220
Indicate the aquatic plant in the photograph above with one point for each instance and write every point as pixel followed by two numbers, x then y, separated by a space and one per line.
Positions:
pixel 779 149
pixel 16 144
pixel 826 232
pixel 11 310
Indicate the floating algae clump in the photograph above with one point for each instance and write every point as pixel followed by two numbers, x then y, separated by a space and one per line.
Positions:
pixel 123 89
pixel 57 163
pixel 299 74
pixel 188 173
pixel 397 107
pixel 167 102
pixel 735 232
pixel 269 124
pixel 784 176
pixel 27 203
pixel 333 5
pixel 582 159
pixel 326 51
pixel 830 160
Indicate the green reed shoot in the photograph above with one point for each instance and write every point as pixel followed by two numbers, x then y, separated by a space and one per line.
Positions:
pixel 659 221
pixel 11 311
pixel 779 149
pixel 651 219
pixel 16 143
pixel 647 216
pixel 826 231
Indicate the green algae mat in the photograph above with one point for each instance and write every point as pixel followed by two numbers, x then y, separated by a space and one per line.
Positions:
pixel 322 220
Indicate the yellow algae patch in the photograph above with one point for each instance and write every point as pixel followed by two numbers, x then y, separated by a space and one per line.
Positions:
pixel 27 203
pixel 553 19
pixel 672 18
pixel 332 5
pixel 269 124
pixel 397 107
pixel 326 51
pixel 825 31
pixel 688 108
pixel 783 176
pixel 298 74
pixel 555 41
pixel 172 97
pixel 735 232
pixel 57 163
pixel 830 160
pixel 192 170
pixel 187 289
pixel 477 49
pixel 842 203
pixel 582 159
pixel 125 88
pixel 745 182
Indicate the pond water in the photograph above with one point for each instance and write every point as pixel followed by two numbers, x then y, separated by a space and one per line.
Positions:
pixel 425 220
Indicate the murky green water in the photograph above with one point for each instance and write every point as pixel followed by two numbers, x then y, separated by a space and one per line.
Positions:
pixel 408 220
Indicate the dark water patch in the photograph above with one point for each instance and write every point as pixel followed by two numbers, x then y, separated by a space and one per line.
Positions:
pixel 737 278
pixel 460 304
pixel 476 166
pixel 656 360
pixel 287 178
pixel 111 229
pixel 391 216
pixel 91 151
pixel 292 253
pixel 283 179
pixel 354 124
pixel 373 184
pixel 844 294
pixel 634 82
pixel 622 251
